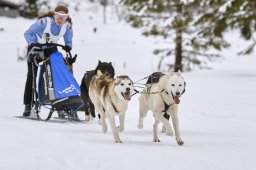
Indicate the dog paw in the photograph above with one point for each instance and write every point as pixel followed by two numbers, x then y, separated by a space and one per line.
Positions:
pixel 104 129
pixel 156 140
pixel 87 118
pixel 118 141
pixel 163 129
pixel 120 129
pixel 180 142
pixel 140 126
pixel 91 117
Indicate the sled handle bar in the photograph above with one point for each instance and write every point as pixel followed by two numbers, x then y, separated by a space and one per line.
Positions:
pixel 49 45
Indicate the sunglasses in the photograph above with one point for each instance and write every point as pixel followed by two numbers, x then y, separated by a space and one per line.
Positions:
pixel 60 15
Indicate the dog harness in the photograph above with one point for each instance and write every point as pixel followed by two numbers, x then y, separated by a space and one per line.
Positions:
pixel 47 31
pixel 166 106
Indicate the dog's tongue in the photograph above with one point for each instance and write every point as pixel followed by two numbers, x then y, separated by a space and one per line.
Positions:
pixel 127 96
pixel 176 99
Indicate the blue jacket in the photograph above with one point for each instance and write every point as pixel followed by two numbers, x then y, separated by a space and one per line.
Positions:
pixel 38 28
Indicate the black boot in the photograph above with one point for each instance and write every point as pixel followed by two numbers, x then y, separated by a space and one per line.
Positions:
pixel 73 116
pixel 27 110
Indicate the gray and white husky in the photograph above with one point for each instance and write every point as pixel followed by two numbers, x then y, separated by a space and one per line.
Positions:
pixel 163 97
pixel 110 98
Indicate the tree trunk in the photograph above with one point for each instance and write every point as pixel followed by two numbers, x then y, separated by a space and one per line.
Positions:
pixel 178 40
pixel 104 15
pixel 178 50
pixel 104 3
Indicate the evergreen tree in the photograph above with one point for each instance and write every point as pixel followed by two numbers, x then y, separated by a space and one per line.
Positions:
pixel 104 3
pixel 237 14
pixel 30 9
pixel 186 20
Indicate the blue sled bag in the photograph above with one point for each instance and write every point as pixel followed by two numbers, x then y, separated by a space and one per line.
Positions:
pixel 57 85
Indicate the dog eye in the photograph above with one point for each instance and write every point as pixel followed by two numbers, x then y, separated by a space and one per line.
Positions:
pixel 173 85
pixel 130 84
pixel 122 84
pixel 180 85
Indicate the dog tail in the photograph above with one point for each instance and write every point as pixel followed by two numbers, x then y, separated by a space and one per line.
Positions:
pixel 99 73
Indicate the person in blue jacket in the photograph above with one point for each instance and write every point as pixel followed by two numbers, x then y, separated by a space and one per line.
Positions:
pixel 50 27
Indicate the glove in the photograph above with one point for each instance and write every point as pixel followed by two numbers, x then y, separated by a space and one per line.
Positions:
pixel 66 48
pixel 33 45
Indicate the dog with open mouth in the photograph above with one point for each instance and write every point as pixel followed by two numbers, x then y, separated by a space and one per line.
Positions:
pixel 162 95
pixel 110 97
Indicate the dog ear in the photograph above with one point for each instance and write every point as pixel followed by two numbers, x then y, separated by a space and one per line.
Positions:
pixel 110 63
pixel 117 80
pixel 179 73
pixel 99 62
pixel 171 73
pixel 99 73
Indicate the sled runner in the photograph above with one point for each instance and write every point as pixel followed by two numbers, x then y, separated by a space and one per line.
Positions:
pixel 55 88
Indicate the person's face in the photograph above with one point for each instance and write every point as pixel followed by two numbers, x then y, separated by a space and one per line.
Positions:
pixel 60 17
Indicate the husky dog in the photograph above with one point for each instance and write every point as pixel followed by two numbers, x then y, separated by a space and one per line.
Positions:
pixel 110 98
pixel 163 97
pixel 105 68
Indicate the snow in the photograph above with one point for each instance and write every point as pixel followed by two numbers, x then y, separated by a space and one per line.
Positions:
pixel 217 111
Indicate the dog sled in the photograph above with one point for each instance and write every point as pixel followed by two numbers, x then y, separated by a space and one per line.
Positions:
pixel 55 87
